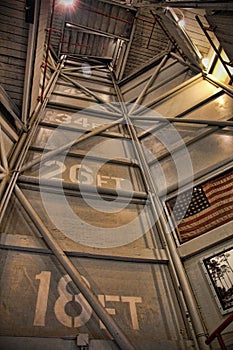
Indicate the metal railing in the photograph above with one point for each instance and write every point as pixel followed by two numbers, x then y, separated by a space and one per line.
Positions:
pixel 217 332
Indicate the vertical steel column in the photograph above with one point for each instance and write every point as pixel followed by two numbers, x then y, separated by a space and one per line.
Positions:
pixel 31 50
pixel 176 266
pixel 7 184
pixel 47 50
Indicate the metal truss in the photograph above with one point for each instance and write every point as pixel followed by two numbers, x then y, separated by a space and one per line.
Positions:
pixel 176 267
pixel 17 166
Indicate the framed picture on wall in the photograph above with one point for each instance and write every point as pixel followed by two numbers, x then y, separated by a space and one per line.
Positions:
pixel 218 269
pixel 202 208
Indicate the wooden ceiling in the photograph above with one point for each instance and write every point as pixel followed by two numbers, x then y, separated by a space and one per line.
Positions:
pixel 98 24
pixel 124 32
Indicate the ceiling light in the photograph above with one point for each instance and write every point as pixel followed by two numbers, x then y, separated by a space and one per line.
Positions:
pixel 67 2
pixel 205 62
pixel 181 22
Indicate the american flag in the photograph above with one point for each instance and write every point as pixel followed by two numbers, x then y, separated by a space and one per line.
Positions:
pixel 210 205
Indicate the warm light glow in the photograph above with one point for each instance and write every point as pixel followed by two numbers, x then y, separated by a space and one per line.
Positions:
pixel 205 62
pixel 67 2
pixel 66 5
pixel 221 100
pixel 181 22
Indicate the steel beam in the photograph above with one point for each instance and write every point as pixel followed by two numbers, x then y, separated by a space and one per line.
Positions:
pixel 30 61
pixel 77 68
pixel 170 64
pixel 151 63
pixel 177 269
pixel 6 102
pixel 165 81
pixel 83 154
pixel 109 134
pixel 2 176
pixel 92 78
pixel 214 47
pixel 164 120
pixel 90 30
pixel 3 151
pixel 8 130
pixel 87 111
pixel 118 4
pixel 47 50
pixel 65 94
pixel 76 277
pixel 179 116
pixel 99 99
pixel 212 4
pixel 184 143
pixel 148 84
pixel 227 88
pixel 63 148
pixel 8 183
pixel 172 91
pixel 121 194
pixel 76 254
pixel 127 50
pixel 203 176
pixel 185 63
pixel 1 168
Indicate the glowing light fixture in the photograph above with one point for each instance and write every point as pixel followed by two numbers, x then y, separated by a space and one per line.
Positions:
pixel 67 2
pixel 205 62
pixel 66 5
pixel 181 22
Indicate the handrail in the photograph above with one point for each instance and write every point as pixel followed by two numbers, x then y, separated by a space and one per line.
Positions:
pixel 217 332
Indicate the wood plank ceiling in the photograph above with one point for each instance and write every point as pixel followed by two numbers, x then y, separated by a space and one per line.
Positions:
pixel 126 32
pixel 13 49
pixel 106 28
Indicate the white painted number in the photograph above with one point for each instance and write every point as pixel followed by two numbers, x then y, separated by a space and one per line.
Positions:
pixel 65 297
pixel 83 122
pixel 84 177
pixel 42 298
pixel 78 174
pixel 63 118
pixel 60 168
pixel 72 91
pixel 66 118
pixel 60 305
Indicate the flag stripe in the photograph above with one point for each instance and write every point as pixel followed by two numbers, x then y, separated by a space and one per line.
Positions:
pixel 218 184
pixel 219 187
pixel 218 179
pixel 207 213
pixel 223 213
pixel 200 229
pixel 187 236
pixel 222 197
pixel 211 206
pixel 217 193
